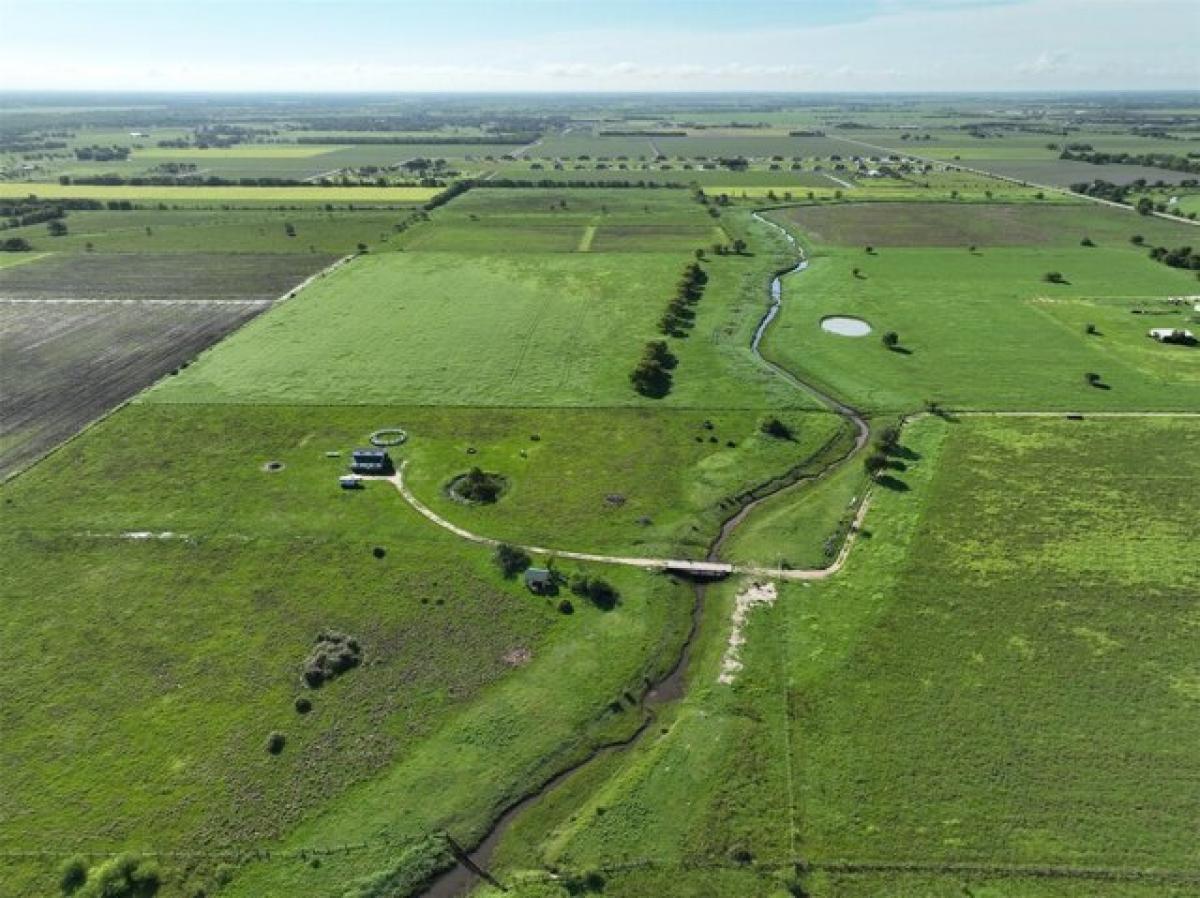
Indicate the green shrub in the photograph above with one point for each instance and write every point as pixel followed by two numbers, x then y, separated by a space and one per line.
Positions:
pixel 511 560
pixel 124 876
pixel 72 875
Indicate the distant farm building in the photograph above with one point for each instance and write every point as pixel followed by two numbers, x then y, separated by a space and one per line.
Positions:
pixel 350 482
pixel 370 461
pixel 539 580
pixel 1176 335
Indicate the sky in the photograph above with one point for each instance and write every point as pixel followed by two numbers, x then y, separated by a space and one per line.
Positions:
pixel 600 45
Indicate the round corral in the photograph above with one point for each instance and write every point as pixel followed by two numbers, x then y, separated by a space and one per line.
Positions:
pixel 845 326
pixel 389 436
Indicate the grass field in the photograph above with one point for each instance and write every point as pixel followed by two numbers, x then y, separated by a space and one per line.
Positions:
pixel 1000 670
pixel 400 328
pixel 943 701
pixel 958 312
pixel 259 578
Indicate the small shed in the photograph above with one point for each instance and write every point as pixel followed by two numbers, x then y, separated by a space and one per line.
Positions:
pixel 1173 335
pixel 350 482
pixel 539 580
pixel 370 461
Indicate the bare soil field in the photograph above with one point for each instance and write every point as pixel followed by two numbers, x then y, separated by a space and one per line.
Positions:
pixel 66 364
pixel 974 224
pixel 158 276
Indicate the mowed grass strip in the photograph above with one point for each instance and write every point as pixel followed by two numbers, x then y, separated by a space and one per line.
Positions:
pixel 1010 675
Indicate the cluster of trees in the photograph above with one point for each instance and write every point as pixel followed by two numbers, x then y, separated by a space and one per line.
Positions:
pixel 1105 190
pixel 102 154
pixel 458 188
pixel 660 133
pixel 15 245
pixel 679 314
pixel 887 445
pixel 433 140
pixel 549 182
pixel 1169 161
pixel 652 375
pixel 1183 257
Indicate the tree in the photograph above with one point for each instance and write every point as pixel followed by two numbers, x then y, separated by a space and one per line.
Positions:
pixel 1145 206
pixel 599 592
pixel 1137 239
pixel 1086 241
pixel 1092 379
pixel 739 246
pixel 56 228
pixel 72 875
pixel 891 339
pixel 773 427
pixel 875 463
pixel 1054 277
pixel 511 560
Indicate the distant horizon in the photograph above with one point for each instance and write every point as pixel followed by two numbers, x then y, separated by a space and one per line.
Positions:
pixel 577 47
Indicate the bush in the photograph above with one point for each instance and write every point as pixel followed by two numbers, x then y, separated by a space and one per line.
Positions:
pixel 478 486
pixel 303 705
pixel 125 876
pixel 1137 239
pixel 773 427
pixel 1091 378
pixel 891 339
pixel 599 592
pixel 511 560
pixel 1054 277
pixel 72 875
pixel 333 654
pixel 1086 241
pixel 275 743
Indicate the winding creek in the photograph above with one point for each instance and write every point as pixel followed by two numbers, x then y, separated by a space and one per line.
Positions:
pixel 458 880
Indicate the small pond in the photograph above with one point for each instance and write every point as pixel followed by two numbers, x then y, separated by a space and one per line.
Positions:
pixel 845 326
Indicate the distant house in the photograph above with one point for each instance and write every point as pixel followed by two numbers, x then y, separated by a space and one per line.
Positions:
pixel 1173 335
pixel 539 580
pixel 370 461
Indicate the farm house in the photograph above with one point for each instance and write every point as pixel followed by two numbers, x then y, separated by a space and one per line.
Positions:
pixel 370 461
pixel 1173 335
pixel 539 580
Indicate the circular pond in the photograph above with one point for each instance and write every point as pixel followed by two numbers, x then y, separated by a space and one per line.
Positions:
pixel 845 326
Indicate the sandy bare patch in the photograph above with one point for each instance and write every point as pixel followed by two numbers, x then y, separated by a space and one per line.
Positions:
pixel 518 657
pixel 754 594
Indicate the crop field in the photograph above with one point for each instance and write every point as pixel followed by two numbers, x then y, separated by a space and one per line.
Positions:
pixel 315 230
pixel 315 194
pixel 67 364
pixel 81 333
pixel 957 312
pixel 150 276
pixel 944 224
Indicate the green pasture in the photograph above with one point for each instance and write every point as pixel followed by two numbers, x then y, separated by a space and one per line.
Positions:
pixel 975 327
pixel 527 329
pixel 964 692
pixel 218 603
pixel 17 190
